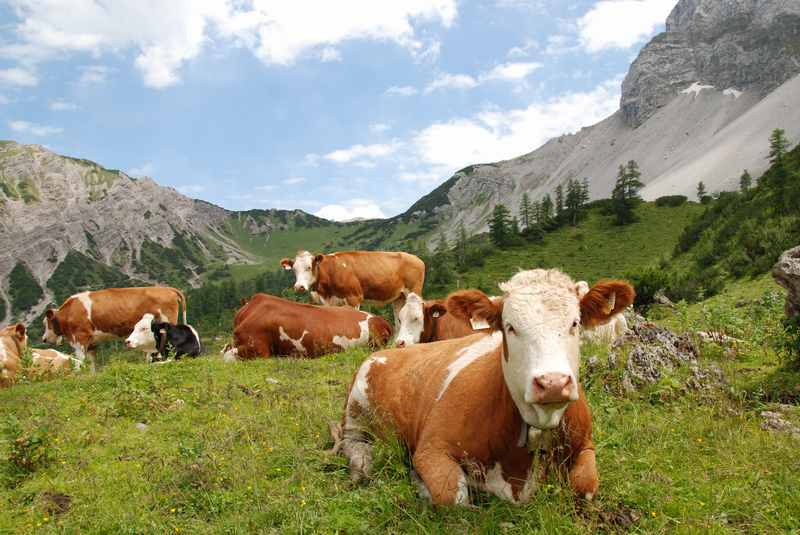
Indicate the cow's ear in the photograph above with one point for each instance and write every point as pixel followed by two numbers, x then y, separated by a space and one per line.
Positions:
pixel 437 310
pixel 20 330
pixel 287 263
pixel 472 305
pixel 318 259
pixel 605 300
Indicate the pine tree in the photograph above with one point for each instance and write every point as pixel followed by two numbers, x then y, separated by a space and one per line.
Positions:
pixel 515 227
pixel 500 225
pixel 632 182
pixel 778 145
pixel 526 212
pixel 745 181
pixel 626 193
pixel 574 199
pixel 462 244
pixel 559 201
pixel 546 212
pixel 585 191
pixel 701 191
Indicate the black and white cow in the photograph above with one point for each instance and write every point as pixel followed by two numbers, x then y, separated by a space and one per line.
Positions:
pixel 161 340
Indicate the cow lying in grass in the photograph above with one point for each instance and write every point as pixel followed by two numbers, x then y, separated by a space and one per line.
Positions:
pixel 13 341
pixel 270 326
pixel 49 362
pixel 162 341
pixel 421 322
pixel 475 411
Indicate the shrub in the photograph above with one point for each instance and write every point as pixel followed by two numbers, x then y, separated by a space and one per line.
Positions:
pixel 671 200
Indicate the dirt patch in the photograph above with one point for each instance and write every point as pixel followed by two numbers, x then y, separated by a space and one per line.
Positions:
pixel 56 503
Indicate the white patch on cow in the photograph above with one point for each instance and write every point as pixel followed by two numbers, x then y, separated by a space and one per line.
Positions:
pixel 231 355
pixel 467 356
pixel 3 356
pixel 298 344
pixel 497 484
pixel 303 270
pixel 142 336
pixel 462 494
pixel 360 386
pixel 362 340
pixel 86 301
pixel 412 320
pixel 196 336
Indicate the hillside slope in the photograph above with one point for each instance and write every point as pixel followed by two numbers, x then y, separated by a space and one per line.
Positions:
pixel 697 104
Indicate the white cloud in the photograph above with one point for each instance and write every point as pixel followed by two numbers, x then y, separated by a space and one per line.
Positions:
pixel 294 180
pixel 94 74
pixel 329 54
pixel 311 159
pixel 452 81
pixel 378 128
pixel 165 35
pixel 361 153
pixel 422 177
pixel 146 169
pixel 27 127
pixel 403 90
pixel 267 187
pixel 621 23
pixel 560 44
pixel 18 77
pixel 352 209
pixel 497 135
pixel 62 105
pixel 523 51
pixel 509 72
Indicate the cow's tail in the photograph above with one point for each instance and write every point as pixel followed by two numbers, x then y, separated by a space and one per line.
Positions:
pixel 182 304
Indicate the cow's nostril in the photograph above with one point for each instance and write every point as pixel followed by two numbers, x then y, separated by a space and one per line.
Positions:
pixel 552 388
pixel 400 343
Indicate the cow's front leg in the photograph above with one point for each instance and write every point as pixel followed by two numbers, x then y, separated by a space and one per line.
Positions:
pixel 583 476
pixel 442 476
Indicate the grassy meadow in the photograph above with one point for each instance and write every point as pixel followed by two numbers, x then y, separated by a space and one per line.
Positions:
pixel 203 447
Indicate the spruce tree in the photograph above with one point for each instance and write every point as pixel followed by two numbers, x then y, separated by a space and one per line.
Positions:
pixel 745 181
pixel 559 201
pixel 585 191
pixel 626 193
pixel 500 225
pixel 546 212
pixel 526 212
pixel 778 145
pixel 701 191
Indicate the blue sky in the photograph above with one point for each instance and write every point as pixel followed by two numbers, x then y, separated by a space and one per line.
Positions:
pixel 344 109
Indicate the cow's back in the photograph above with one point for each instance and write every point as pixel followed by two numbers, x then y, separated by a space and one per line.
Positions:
pixel 382 275
pixel 440 388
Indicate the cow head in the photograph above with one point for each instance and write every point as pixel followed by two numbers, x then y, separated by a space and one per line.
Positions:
pixel 52 330
pixel 18 333
pixel 305 267
pixel 142 336
pixel 541 316
pixel 416 319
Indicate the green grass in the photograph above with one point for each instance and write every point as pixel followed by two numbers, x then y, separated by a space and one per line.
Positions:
pixel 245 453
pixel 595 249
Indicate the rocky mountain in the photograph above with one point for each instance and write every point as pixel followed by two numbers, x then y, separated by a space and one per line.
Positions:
pixel 67 223
pixel 698 103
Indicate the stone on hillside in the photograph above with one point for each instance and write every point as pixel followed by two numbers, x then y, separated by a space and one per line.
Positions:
pixel 656 350
pixel 787 273
pixel 774 421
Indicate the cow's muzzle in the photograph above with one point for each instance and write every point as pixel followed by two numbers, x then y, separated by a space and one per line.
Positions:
pixel 553 388
pixel 299 288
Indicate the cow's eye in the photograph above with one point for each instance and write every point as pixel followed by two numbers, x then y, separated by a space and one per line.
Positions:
pixel 510 329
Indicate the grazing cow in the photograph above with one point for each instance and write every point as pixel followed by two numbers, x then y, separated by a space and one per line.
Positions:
pixel 422 322
pixel 49 362
pixel 89 318
pixel 354 277
pixel 159 340
pixel 607 333
pixel 270 326
pixel 477 411
pixel 13 341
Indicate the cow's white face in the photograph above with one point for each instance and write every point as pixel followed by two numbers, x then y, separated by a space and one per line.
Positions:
pixel 542 326
pixel 49 336
pixel 142 335
pixel 303 267
pixel 412 321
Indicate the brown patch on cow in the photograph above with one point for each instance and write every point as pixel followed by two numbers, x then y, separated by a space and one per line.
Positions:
pixel 56 503
pixel 379 332
pixel 13 341
pixel 596 306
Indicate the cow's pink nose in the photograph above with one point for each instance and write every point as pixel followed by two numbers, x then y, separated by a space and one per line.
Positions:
pixel 299 287
pixel 552 388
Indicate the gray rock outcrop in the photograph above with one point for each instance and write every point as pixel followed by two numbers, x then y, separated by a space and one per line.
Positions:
pixel 787 273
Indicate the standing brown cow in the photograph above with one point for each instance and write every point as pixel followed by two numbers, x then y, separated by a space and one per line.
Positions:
pixel 350 278
pixel 270 326
pixel 13 341
pixel 89 318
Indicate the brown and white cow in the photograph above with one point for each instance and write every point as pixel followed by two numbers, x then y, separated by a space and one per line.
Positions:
pixel 421 322
pixel 271 326
pixel 13 341
pixel 608 333
pixel 476 411
pixel 89 318
pixel 49 362
pixel 350 278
